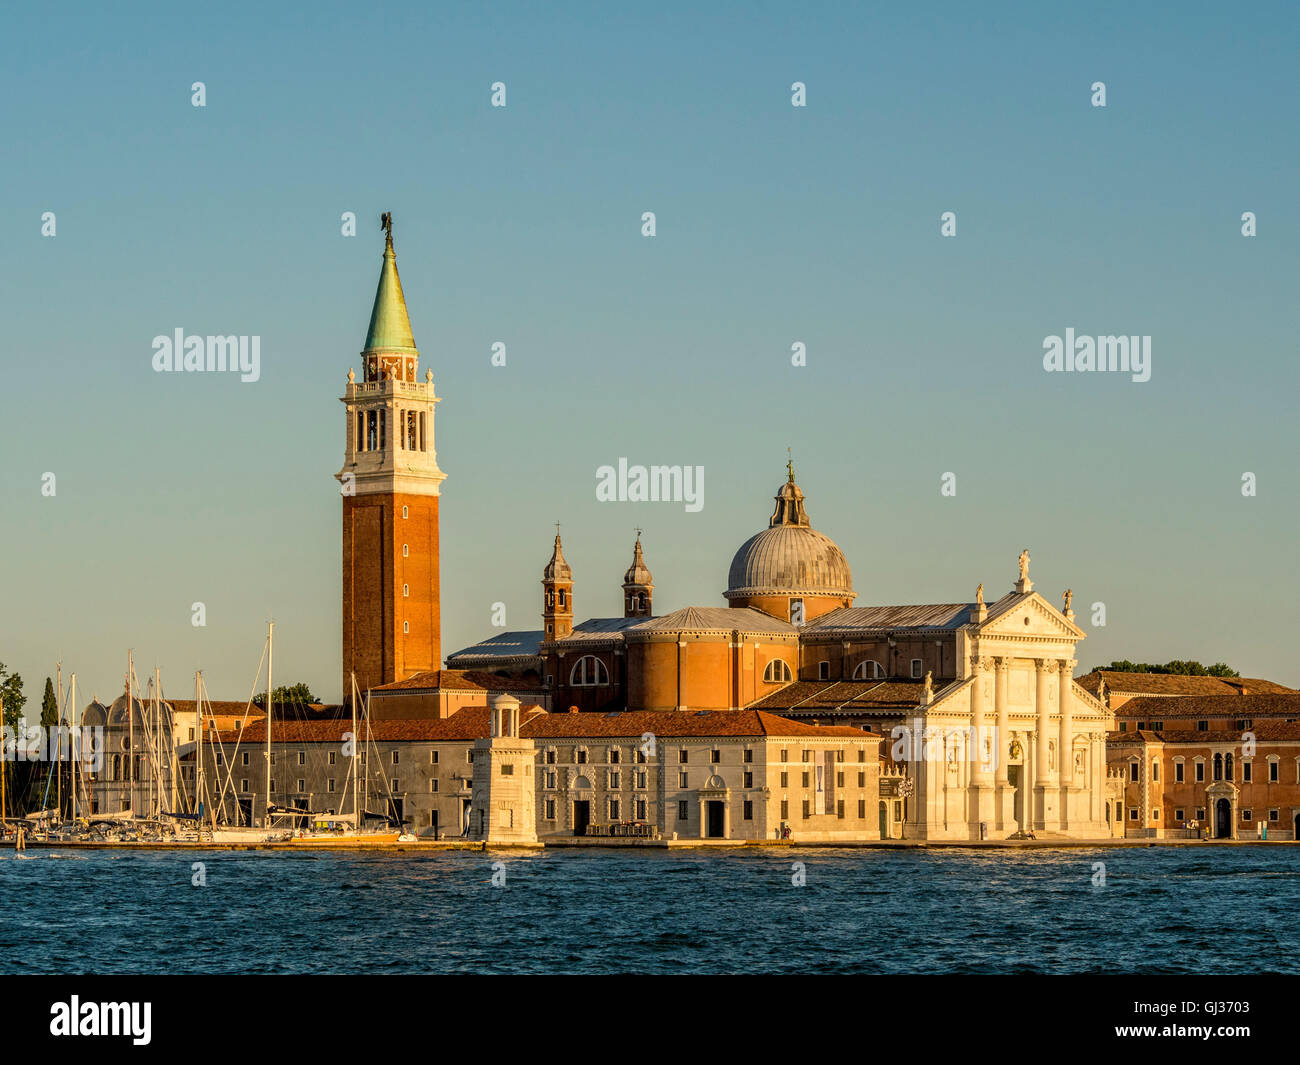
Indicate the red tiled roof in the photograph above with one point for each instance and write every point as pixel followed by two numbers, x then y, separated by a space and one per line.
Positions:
pixel 468 723
pixel 452 679
pixel 845 694
pixel 678 723
pixel 1253 706
pixel 1263 731
pixel 1154 683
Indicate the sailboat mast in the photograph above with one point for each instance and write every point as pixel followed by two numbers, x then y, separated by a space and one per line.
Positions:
pixel 75 745
pixel 58 763
pixel 198 749
pixel 356 812
pixel 270 654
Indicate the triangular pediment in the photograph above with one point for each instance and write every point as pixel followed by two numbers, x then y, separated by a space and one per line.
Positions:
pixel 1028 614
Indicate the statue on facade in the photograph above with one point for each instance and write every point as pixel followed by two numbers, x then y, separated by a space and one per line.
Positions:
pixel 979 595
pixel 1024 564
pixel 1069 597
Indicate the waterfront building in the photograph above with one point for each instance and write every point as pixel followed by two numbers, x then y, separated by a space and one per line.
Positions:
pixel 147 757
pixel 1223 765
pixel 726 775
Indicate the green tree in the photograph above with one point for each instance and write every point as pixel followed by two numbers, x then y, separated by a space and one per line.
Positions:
pixel 11 692
pixel 49 705
pixel 1178 667
pixel 288 695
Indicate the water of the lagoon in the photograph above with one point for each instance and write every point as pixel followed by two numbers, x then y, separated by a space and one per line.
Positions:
pixel 1169 910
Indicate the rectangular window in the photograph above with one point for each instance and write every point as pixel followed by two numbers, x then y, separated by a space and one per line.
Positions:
pixel 839 809
pixel 715 756
pixel 1133 813
pixel 839 780
pixel 245 758
pixel 394 758
pixel 1245 815
pixel 640 756
pixel 785 809
pixel 1202 726
pixel 862 809
pixel 433 784
pixel 243 785
pixel 916 668
pixel 683 810
pixel 550 756
pixel 1245 772
pixel 507 769
pixel 614 780
pixel 640 809
pixel 614 755
pixel 550 778
pixel 862 780
pixel 1155 770
pixel 613 810
pixel 395 785
pixel 785 779
pixel 550 809
pixel 806 808
pixel 1273 815
pixel 1272 772
pixel 805 754
pixel 582 755
pixel 682 756
pixel 749 755
pixel 1178 772
pixel 785 754
pixel 681 780
pixel 823 671
pixel 302 785
pixel 748 780
pixel 748 810
pixel 1200 772
pixel 804 775
pixel 329 784
pixel 433 757
pixel 640 778
pixel 1133 771
pixel 1180 814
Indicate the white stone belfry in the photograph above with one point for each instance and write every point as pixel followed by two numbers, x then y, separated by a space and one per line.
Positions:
pixel 503 803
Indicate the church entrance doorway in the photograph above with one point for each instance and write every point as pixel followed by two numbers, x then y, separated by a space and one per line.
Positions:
pixel 714 811
pixel 1223 819
pixel 884 821
pixel 581 816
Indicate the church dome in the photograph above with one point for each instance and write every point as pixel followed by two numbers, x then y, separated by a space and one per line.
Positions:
pixel 789 557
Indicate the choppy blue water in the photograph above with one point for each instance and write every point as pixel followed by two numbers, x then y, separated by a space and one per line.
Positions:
pixel 1168 910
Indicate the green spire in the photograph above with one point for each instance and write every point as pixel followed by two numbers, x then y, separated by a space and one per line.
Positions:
pixel 390 325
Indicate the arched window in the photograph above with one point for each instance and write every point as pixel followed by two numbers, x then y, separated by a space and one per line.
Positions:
pixel 868 670
pixel 777 672
pixel 1227 767
pixel 1218 767
pixel 589 672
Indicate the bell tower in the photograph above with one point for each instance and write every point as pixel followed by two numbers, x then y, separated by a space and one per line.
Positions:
pixel 638 585
pixel 557 590
pixel 392 625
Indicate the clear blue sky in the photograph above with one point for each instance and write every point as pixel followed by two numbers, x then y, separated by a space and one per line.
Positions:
pixel 775 225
